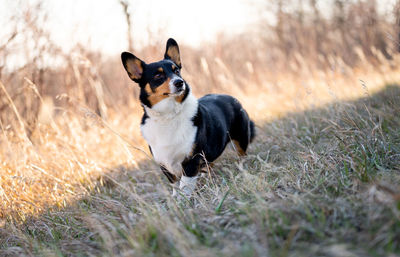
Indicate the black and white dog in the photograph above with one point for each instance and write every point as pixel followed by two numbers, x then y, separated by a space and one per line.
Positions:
pixel 184 132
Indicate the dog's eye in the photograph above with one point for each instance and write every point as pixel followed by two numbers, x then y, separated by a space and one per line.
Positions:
pixel 158 76
pixel 176 71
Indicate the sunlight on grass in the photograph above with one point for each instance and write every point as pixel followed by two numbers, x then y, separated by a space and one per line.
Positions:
pixel 63 160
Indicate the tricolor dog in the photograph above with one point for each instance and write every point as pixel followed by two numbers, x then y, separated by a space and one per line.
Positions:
pixel 183 132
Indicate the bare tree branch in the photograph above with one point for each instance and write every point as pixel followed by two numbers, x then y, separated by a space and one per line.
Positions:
pixel 125 7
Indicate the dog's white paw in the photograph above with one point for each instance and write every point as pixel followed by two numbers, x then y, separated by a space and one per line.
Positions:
pixel 187 185
pixel 175 192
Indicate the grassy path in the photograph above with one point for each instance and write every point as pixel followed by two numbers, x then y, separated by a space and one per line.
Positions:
pixel 323 182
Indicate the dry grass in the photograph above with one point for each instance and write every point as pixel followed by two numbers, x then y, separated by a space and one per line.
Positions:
pixel 321 179
pixel 64 154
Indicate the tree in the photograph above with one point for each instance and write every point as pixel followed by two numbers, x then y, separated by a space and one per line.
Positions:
pixel 125 7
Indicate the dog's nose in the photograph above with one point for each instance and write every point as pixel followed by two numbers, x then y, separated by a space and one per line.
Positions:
pixel 178 83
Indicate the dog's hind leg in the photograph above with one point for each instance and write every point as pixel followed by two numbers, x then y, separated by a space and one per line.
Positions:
pixel 242 132
pixel 238 147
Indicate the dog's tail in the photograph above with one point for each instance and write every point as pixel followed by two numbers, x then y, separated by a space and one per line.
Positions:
pixel 252 131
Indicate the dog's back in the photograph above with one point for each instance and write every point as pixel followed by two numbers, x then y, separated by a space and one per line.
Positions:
pixel 220 119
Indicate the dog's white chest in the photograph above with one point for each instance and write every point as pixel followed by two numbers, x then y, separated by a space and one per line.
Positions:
pixel 171 137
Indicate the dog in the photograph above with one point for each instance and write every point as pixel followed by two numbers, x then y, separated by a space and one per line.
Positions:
pixel 184 133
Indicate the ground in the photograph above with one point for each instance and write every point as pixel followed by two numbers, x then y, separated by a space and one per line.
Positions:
pixel 320 182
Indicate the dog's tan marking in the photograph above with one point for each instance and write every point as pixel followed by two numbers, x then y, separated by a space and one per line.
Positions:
pixel 192 151
pixel 160 69
pixel 148 90
pixel 239 149
pixel 134 68
pixel 171 177
pixel 179 99
pixel 206 167
pixel 159 93
pixel 173 53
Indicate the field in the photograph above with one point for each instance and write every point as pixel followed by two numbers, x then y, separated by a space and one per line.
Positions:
pixel 320 179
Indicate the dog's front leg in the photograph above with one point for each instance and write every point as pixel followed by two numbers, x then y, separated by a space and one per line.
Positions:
pixel 172 179
pixel 187 185
pixel 175 190
pixel 188 180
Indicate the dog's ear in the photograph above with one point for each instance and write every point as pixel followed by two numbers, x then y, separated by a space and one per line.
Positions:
pixel 172 52
pixel 133 65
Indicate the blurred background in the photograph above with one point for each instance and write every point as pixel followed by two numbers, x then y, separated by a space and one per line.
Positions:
pixel 72 48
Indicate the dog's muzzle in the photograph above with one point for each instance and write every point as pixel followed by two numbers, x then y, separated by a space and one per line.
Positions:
pixel 177 87
pixel 179 84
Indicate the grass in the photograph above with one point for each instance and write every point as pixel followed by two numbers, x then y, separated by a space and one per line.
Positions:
pixel 320 182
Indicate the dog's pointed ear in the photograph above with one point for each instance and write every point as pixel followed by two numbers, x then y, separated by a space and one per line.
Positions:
pixel 172 52
pixel 133 65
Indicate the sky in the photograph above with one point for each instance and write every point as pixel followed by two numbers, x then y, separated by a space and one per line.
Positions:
pixel 101 24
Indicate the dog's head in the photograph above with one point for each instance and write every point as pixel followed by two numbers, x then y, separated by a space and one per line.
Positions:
pixel 158 80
